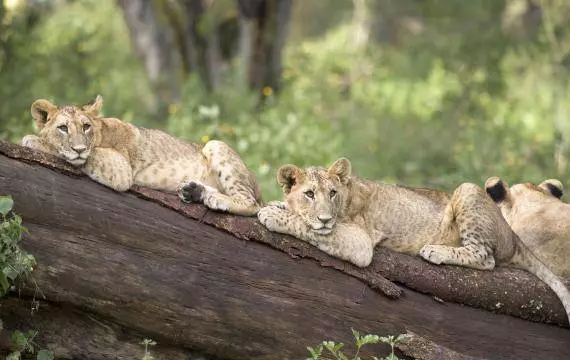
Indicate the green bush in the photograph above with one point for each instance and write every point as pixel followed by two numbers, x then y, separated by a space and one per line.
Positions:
pixel 16 263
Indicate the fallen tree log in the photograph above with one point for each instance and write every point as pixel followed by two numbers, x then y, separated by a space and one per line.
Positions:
pixel 192 278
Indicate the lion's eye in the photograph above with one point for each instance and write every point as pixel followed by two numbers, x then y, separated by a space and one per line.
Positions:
pixel 86 127
pixel 333 193
pixel 62 128
pixel 310 194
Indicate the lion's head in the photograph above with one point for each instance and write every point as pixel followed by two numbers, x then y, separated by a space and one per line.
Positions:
pixel 68 129
pixel 520 198
pixel 316 194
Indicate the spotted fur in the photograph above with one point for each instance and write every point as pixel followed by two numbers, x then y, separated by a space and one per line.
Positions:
pixel 466 229
pixel 119 154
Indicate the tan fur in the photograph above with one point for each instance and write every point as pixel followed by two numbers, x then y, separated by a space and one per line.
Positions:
pixel 539 218
pixel 347 217
pixel 119 154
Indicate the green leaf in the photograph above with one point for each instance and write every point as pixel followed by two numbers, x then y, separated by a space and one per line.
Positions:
pixel 315 353
pixel 370 339
pixel 16 355
pixel 6 204
pixel 401 338
pixel 20 340
pixel 45 355
pixel 4 284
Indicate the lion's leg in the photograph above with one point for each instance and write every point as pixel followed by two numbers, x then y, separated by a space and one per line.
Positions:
pixel 347 241
pixel 110 168
pixel 477 229
pixel 237 193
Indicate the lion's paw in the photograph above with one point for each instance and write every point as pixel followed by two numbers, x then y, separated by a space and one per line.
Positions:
pixel 433 254
pixel 31 141
pixel 215 202
pixel 272 217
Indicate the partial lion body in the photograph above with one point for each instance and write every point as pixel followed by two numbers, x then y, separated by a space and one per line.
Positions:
pixel 347 217
pixel 119 154
pixel 540 219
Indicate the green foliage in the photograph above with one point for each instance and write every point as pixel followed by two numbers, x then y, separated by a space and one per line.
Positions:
pixel 23 342
pixel 336 349
pixel 15 263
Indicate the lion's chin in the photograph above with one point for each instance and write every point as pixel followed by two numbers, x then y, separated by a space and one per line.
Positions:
pixel 323 231
pixel 76 161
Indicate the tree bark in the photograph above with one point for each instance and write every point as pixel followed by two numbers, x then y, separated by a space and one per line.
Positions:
pixel 223 285
pixel 154 43
pixel 74 334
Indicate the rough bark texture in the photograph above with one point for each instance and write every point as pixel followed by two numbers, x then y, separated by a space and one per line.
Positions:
pixel 221 284
pixel 72 334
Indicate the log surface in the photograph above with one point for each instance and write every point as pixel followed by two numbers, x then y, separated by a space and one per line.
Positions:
pixel 224 285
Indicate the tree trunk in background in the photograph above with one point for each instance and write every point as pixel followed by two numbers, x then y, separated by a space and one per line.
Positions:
pixel 264 25
pixel 176 38
pixel 154 43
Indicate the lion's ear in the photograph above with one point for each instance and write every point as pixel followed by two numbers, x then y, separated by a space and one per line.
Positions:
pixel 341 168
pixel 497 189
pixel 41 110
pixel 287 176
pixel 553 187
pixel 94 106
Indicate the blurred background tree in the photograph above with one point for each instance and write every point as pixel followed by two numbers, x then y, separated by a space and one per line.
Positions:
pixel 421 92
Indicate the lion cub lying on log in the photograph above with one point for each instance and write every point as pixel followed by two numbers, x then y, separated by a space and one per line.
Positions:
pixel 538 216
pixel 119 154
pixel 347 217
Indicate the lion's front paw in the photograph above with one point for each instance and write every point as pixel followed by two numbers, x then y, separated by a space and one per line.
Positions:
pixel 433 254
pixel 31 141
pixel 272 217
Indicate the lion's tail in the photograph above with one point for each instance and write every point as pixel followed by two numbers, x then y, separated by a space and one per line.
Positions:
pixel 525 259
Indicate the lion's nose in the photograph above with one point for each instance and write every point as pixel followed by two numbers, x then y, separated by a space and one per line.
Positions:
pixel 324 218
pixel 79 148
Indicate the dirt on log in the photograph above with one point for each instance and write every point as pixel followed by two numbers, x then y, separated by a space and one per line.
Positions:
pixel 223 285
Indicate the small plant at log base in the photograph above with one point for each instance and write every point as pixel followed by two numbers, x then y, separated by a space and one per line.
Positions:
pixel 147 343
pixel 15 263
pixel 335 349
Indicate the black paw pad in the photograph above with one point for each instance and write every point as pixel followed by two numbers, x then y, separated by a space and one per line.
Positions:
pixel 192 192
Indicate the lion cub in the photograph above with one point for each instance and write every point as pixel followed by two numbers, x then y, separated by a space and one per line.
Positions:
pixel 347 217
pixel 538 216
pixel 119 154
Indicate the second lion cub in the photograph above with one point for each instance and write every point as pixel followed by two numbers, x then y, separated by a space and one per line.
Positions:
pixel 347 217
pixel 118 154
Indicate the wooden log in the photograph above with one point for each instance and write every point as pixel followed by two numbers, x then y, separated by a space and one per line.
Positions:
pixel 226 286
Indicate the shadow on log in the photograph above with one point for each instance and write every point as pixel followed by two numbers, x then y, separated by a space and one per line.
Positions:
pixel 191 278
